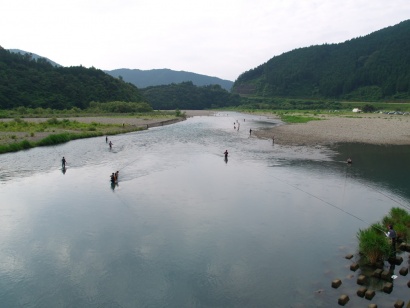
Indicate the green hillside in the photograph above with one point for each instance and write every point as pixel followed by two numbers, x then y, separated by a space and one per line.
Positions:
pixel 186 95
pixel 30 82
pixel 375 67
pixel 157 77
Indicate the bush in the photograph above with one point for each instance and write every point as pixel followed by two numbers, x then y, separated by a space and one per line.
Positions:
pixel 373 244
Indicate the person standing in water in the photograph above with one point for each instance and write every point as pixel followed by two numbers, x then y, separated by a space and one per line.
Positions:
pixel 250 131
pixel 110 145
pixel 63 161
pixel 226 154
pixel 106 139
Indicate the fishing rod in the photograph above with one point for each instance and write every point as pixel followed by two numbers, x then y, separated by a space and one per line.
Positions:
pixel 326 202
pixel 385 195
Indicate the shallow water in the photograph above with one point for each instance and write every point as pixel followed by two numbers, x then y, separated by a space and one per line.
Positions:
pixel 268 228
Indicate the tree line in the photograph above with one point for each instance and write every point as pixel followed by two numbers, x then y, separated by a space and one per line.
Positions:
pixel 186 95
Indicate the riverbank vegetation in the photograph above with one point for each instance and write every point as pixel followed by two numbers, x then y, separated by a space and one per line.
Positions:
pixel 302 111
pixel 374 246
pixel 24 128
pixel 17 134
pixel 319 106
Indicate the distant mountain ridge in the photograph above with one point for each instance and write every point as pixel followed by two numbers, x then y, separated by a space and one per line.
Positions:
pixel 148 78
pixel 371 68
pixel 157 77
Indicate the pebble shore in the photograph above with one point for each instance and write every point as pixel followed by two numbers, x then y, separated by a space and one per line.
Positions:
pixel 362 128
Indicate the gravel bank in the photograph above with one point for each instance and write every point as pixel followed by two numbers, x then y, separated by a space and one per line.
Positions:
pixel 365 128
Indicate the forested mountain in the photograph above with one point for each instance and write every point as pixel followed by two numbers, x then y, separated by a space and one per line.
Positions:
pixel 186 95
pixel 29 82
pixel 33 56
pixel 156 77
pixel 373 67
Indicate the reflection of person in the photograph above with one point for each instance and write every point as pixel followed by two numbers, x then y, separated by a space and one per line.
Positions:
pixel 391 234
pixel 63 161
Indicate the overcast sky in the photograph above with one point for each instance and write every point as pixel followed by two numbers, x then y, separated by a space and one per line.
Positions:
pixel 221 38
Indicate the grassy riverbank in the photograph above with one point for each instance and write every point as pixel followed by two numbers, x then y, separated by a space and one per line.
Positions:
pixel 17 134
pixel 20 134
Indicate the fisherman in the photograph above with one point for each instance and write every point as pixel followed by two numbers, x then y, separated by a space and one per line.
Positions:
pixel 113 178
pixel 273 139
pixel 391 234
pixel 63 161
pixel 110 144
pixel 226 154
pixel 106 139
pixel 250 131
pixel 117 175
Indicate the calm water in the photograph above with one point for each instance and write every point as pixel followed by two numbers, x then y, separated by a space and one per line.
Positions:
pixel 268 228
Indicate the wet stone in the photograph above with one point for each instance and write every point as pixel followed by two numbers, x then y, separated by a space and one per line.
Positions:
pixel 388 287
pixel 397 260
pixel 399 304
pixel 336 283
pixel 377 273
pixel 369 294
pixel 361 280
pixel 404 271
pixel 372 306
pixel 349 256
pixel 361 291
pixel 343 299
pixel 408 283
pixel 403 247
pixel 386 275
pixel 354 267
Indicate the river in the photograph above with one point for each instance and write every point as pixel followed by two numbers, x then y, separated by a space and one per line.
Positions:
pixel 269 227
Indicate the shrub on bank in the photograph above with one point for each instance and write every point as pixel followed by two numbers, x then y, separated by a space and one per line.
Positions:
pixel 17 146
pixel 373 243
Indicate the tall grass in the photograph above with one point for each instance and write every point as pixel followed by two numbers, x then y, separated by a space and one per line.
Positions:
pixel 373 244
pixel 54 139
pixel 296 118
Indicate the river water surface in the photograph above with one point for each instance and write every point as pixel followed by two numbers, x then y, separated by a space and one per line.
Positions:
pixel 270 227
